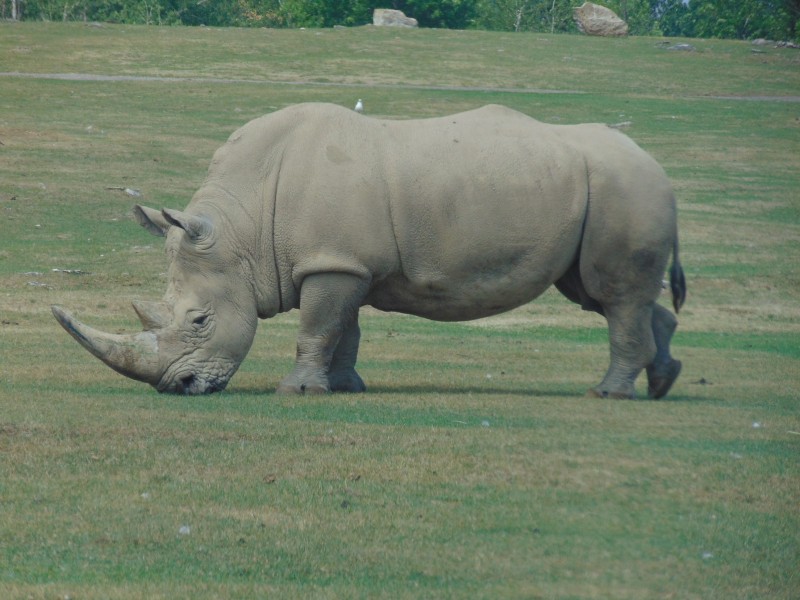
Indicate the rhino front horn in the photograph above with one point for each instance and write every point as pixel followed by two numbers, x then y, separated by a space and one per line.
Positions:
pixel 135 356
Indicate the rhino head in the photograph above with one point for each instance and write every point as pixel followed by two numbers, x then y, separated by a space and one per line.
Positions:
pixel 195 338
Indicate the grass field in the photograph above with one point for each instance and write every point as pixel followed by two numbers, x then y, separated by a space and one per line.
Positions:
pixel 473 467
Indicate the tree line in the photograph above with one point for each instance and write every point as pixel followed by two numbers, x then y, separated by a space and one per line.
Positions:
pixel 739 19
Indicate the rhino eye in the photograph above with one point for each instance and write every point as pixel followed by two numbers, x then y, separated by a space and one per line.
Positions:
pixel 200 321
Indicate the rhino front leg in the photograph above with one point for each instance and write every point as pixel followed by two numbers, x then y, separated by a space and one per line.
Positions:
pixel 342 376
pixel 327 343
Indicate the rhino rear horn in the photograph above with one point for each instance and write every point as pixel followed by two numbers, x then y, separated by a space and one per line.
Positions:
pixel 153 315
pixel 135 356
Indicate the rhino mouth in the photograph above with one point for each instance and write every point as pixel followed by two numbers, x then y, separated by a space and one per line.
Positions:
pixel 186 382
pixel 191 385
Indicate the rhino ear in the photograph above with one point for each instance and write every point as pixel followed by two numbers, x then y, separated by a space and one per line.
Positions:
pixel 150 219
pixel 197 228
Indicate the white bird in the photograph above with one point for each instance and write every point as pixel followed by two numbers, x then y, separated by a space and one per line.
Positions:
pixel 359 106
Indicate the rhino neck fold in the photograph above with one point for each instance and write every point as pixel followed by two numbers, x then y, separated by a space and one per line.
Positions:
pixel 273 297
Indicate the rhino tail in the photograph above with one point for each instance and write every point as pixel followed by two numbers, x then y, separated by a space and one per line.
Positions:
pixel 677 280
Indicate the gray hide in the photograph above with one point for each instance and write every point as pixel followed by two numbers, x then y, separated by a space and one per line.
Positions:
pixel 319 208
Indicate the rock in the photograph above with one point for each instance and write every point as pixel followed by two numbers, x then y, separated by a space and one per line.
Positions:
pixel 682 47
pixel 387 17
pixel 593 19
pixel 763 42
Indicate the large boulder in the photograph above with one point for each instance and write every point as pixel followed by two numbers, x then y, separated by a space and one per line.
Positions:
pixel 593 19
pixel 386 17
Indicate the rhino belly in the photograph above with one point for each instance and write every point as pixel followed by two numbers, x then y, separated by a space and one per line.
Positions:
pixel 466 293
pixel 477 255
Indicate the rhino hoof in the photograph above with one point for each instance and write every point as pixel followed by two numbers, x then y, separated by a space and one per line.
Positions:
pixel 289 387
pixel 314 389
pixel 347 381
pixel 659 383
pixel 598 393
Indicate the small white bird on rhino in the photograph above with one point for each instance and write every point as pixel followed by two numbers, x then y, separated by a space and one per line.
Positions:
pixel 454 218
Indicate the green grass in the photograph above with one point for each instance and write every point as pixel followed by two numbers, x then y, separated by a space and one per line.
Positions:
pixel 473 468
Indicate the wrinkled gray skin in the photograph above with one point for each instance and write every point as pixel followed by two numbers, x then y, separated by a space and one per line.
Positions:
pixel 319 208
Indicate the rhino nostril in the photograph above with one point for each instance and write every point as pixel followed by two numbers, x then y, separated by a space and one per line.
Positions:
pixel 187 382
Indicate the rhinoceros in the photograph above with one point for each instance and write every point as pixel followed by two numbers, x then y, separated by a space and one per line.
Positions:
pixel 453 218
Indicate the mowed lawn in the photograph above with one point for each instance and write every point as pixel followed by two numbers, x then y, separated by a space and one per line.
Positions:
pixel 473 467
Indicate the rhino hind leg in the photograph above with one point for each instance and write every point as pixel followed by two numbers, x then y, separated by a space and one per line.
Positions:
pixel 633 347
pixel 631 341
pixel 571 286
pixel 640 331
pixel 664 369
pixel 618 382
pixel 327 342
